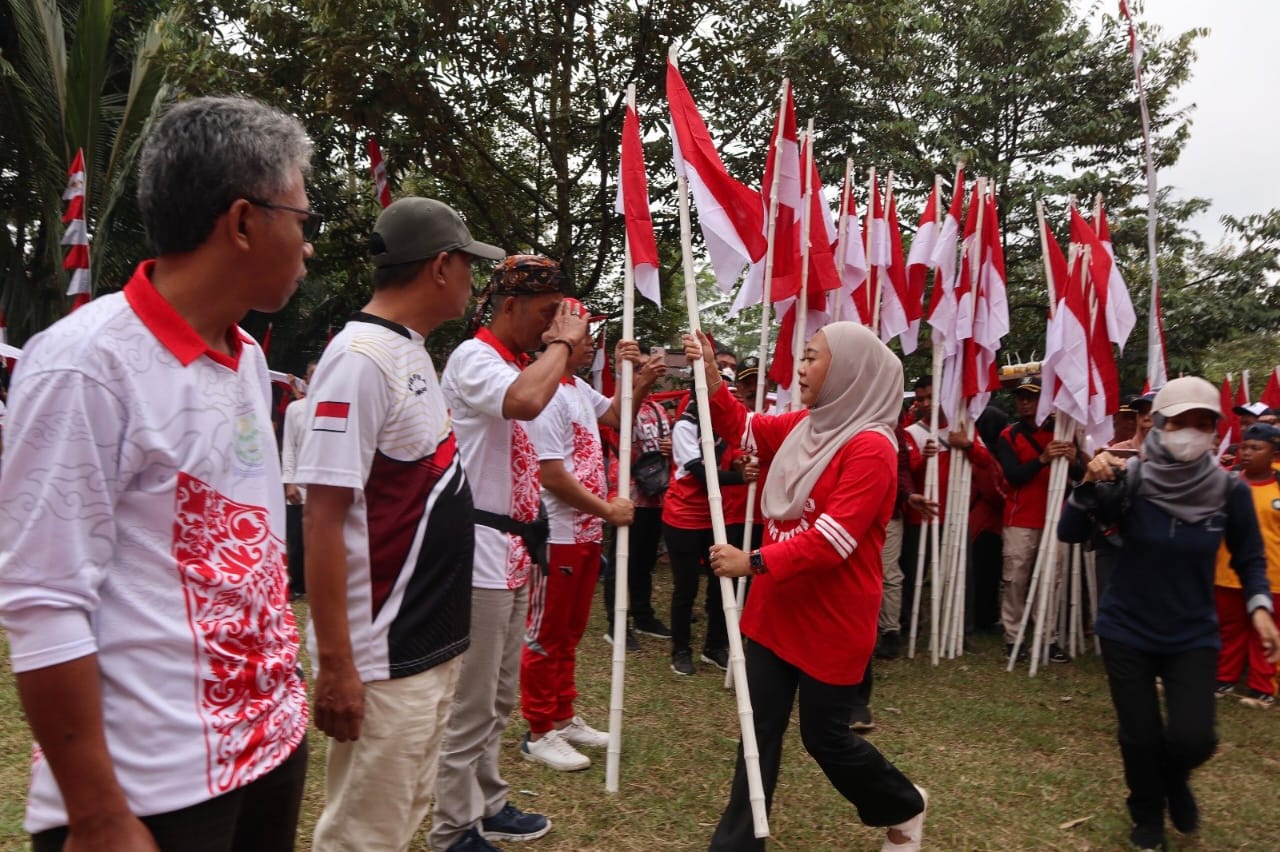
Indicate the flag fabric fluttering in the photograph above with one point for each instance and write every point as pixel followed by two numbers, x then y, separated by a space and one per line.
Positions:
pixel 1121 317
pixel 784 160
pixel 990 313
pixel 920 258
pixel 730 215
pixel 942 304
pixel 76 235
pixel 381 188
pixel 1271 393
pixel 601 373
pixel 1242 392
pixel 1229 423
pixel 633 203
pixel 1104 396
pixel 960 355
pixel 1065 367
pixel 898 316
pixel 854 296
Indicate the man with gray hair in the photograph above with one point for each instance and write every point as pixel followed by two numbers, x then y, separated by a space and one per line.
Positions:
pixel 142 570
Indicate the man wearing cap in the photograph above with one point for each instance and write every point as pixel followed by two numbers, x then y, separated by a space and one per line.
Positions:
pixel 1124 423
pixel 1250 413
pixel 388 532
pixel 1025 452
pixel 1141 406
pixel 492 390
pixel 1240 641
pixel 142 524
pixel 566 438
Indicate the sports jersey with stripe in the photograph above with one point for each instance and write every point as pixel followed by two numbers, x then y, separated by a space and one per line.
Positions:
pixel 568 430
pixel 379 426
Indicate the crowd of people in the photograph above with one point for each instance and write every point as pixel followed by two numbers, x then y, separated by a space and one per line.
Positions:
pixel 449 530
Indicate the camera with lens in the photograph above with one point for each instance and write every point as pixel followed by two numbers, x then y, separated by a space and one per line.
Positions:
pixel 1106 503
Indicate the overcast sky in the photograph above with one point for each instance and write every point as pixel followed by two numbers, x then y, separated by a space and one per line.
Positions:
pixel 1231 157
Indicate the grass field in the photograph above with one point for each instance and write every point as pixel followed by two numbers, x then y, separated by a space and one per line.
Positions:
pixel 1011 763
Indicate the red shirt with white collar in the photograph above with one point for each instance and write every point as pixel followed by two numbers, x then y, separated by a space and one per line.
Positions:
pixel 817 604
pixel 142 520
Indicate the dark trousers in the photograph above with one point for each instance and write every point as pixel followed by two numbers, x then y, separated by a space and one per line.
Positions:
pixel 1159 754
pixel 912 541
pixel 646 530
pixel 293 549
pixel 689 551
pixel 259 817
pixel 862 691
pixel 982 585
pixel 882 794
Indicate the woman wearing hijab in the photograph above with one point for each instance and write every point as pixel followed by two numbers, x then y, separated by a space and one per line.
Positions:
pixel 815 597
pixel 1169 511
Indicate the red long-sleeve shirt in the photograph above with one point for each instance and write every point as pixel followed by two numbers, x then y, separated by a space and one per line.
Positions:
pixel 917 435
pixel 817 604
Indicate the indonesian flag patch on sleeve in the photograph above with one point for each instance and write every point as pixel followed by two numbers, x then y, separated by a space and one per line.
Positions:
pixel 331 417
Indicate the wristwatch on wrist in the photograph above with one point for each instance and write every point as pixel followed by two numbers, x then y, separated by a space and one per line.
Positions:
pixel 757 563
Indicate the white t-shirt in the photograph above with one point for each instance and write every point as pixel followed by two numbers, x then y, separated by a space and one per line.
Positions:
pixel 568 430
pixel 379 426
pixel 295 428
pixel 496 452
pixel 142 520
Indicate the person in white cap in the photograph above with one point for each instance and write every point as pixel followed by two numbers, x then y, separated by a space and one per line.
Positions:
pixel 1170 511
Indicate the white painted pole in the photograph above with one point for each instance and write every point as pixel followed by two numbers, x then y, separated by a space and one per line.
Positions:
pixel 750 750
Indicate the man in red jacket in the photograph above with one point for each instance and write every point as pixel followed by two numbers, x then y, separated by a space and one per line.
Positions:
pixel 1025 451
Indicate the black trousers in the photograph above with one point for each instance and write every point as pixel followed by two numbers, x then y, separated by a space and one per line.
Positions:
pixel 982 585
pixel 689 551
pixel 882 794
pixel 646 530
pixel 293 548
pixel 912 541
pixel 259 817
pixel 1159 753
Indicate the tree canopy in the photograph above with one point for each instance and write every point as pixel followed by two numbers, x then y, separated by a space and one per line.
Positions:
pixel 512 112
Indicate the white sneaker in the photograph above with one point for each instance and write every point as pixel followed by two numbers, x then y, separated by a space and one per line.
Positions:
pixel 912 828
pixel 579 733
pixel 555 751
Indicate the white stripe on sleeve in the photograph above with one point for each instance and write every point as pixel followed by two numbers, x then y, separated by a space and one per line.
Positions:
pixel 836 534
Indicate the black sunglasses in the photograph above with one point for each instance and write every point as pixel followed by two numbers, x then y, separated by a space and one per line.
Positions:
pixel 311 224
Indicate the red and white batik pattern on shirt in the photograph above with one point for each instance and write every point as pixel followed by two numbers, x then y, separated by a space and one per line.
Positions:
pixel 496 453
pixel 568 430
pixel 380 427
pixel 142 520
pixel 818 604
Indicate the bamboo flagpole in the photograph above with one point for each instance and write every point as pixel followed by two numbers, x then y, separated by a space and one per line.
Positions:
pixel 750 750
pixel 877 292
pixel 762 354
pixel 837 306
pixel 929 528
pixel 873 293
pixel 802 298
pixel 622 553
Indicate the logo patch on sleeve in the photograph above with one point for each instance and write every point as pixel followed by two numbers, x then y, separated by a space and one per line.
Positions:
pixel 331 417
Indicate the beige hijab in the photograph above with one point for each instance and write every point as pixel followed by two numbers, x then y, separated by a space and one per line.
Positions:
pixel 862 392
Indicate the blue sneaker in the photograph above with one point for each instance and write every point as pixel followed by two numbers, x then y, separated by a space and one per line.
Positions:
pixel 473 841
pixel 511 823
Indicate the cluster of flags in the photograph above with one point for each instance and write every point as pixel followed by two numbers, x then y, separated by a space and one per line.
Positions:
pixel 1090 311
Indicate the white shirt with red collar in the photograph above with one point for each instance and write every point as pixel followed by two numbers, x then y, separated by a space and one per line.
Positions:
pixel 142 520
pixel 496 453
pixel 568 430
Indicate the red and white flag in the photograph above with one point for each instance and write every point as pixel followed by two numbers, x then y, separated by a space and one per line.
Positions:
pixel 920 259
pixel 601 371
pixel 990 314
pixel 783 163
pixel 331 416
pixel 76 235
pixel 1105 395
pixel 823 277
pixel 898 316
pixel 942 305
pixel 1271 393
pixel 1229 423
pixel 730 215
pixel 633 203
pixel 961 357
pixel 853 300
pixel 381 189
pixel 1121 317
pixel 1065 366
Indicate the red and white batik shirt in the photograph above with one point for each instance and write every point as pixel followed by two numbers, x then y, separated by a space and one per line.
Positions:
pixel 496 452
pixel 142 520
pixel 568 430
pixel 379 427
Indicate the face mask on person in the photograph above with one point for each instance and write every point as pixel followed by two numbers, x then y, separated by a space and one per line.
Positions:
pixel 1187 445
